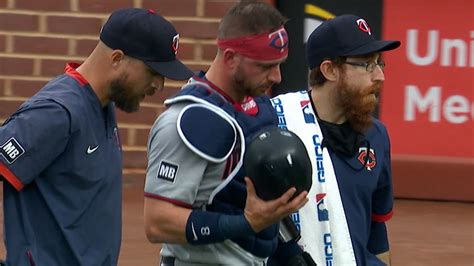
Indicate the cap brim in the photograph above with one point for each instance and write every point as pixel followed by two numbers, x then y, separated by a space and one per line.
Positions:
pixel 374 47
pixel 174 70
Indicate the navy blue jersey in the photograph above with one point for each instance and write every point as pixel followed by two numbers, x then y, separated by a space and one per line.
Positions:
pixel 365 187
pixel 61 159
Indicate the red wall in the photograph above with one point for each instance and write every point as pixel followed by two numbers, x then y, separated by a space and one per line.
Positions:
pixel 427 103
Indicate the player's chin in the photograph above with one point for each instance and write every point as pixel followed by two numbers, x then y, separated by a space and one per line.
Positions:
pixel 369 99
pixel 256 93
pixel 264 90
pixel 129 106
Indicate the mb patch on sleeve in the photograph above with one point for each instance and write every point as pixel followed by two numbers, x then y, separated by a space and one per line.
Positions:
pixel 11 150
pixel 167 171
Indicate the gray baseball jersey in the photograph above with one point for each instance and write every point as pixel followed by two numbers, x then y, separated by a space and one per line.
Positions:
pixel 178 175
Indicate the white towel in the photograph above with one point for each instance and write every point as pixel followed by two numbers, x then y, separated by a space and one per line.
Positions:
pixel 322 221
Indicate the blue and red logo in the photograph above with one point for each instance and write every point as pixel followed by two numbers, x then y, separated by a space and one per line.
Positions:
pixel 175 44
pixel 323 214
pixel 279 39
pixel 308 116
pixel 367 158
pixel 363 26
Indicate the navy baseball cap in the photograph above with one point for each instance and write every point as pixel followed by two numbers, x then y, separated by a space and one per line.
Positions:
pixel 346 35
pixel 145 35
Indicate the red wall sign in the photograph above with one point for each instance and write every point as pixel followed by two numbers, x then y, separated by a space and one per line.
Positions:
pixel 427 100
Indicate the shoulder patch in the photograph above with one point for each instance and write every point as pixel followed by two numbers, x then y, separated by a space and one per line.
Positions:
pixel 11 150
pixel 167 171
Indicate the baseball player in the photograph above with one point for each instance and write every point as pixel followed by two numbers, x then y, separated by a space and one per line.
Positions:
pixel 351 197
pixel 61 156
pixel 198 201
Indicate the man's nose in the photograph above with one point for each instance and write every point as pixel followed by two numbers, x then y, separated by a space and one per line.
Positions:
pixel 275 74
pixel 378 74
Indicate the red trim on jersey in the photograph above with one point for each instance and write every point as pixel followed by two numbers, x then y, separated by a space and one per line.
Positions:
pixel 381 218
pixel 173 201
pixel 12 179
pixel 70 70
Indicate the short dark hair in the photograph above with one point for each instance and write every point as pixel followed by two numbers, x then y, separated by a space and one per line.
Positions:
pixel 316 77
pixel 248 18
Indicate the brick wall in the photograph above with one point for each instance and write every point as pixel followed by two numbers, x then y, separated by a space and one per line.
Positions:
pixel 37 38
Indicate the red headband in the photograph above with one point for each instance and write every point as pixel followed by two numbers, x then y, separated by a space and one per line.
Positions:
pixel 263 47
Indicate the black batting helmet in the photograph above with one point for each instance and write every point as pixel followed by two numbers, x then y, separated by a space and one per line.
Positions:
pixel 276 160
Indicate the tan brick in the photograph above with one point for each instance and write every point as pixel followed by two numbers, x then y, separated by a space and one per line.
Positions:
pixel 3 3
pixel 217 8
pixel 196 29
pixel 16 66
pixel 17 22
pixel 103 6
pixel 134 159
pixel 43 5
pixel 8 107
pixel 52 67
pixel 26 88
pixel 42 45
pixel 85 47
pixel 72 25
pixel 172 7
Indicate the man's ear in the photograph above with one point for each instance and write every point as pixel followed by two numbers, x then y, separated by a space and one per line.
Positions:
pixel 329 70
pixel 116 57
pixel 231 58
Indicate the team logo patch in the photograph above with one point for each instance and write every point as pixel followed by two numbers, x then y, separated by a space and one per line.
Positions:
pixel 11 150
pixel 175 44
pixel 367 159
pixel 167 171
pixel 363 26
pixel 279 39
pixel 249 106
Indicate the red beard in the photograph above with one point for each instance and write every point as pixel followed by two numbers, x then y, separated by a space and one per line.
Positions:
pixel 358 104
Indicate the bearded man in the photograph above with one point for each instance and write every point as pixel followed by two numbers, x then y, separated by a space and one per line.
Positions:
pixel 61 157
pixel 198 200
pixel 351 197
